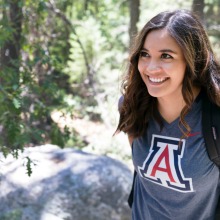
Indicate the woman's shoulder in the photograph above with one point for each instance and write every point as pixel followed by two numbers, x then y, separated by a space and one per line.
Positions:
pixel 120 102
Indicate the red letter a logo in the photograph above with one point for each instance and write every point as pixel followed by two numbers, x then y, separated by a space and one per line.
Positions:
pixel 164 156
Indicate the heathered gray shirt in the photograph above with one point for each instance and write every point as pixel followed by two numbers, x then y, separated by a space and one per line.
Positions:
pixel 174 181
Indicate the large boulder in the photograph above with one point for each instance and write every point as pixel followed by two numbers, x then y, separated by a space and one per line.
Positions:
pixel 66 184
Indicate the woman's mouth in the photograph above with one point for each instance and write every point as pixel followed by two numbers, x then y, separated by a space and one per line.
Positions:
pixel 157 80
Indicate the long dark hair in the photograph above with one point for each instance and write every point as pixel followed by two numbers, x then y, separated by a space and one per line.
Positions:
pixel 202 70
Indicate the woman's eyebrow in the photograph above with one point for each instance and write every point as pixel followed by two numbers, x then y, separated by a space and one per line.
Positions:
pixel 162 50
pixel 167 51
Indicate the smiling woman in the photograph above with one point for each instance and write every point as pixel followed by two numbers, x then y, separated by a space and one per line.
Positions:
pixel 171 68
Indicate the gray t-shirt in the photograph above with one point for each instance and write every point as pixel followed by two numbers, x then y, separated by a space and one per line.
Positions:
pixel 175 178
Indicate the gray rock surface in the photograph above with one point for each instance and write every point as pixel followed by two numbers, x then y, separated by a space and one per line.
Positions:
pixel 66 184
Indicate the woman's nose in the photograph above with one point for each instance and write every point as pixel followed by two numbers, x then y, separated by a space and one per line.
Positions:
pixel 153 66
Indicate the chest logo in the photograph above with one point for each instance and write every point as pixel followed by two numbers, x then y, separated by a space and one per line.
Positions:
pixel 163 164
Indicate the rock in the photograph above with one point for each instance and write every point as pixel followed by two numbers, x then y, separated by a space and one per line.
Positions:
pixel 66 184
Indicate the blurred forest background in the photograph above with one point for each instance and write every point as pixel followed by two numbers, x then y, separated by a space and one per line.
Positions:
pixel 61 66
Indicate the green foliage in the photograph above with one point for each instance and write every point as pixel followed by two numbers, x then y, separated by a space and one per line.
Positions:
pixel 31 79
pixel 28 164
pixel 98 47
pixel 12 215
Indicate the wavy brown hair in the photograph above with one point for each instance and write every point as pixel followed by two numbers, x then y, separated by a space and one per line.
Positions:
pixel 202 70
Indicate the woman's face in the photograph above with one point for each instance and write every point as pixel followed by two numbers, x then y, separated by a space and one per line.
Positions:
pixel 162 65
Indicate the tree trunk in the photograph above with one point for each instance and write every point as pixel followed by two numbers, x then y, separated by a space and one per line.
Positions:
pixel 198 8
pixel 134 18
pixel 10 51
pixel 218 7
pixel 9 68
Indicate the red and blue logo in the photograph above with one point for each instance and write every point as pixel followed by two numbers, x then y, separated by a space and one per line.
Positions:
pixel 163 164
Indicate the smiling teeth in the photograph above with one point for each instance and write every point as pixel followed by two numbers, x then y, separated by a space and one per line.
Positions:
pixel 157 80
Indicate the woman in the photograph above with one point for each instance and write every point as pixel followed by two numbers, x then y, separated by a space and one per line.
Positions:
pixel 172 66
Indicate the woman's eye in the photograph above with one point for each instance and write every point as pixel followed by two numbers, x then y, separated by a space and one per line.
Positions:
pixel 144 54
pixel 166 56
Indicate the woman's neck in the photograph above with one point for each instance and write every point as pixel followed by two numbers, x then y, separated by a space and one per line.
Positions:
pixel 170 108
